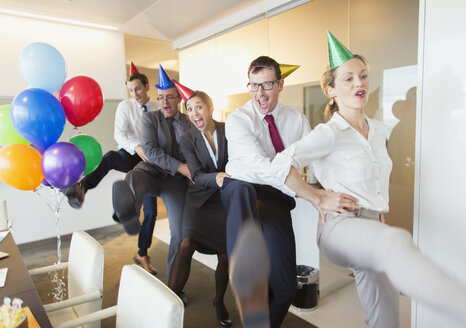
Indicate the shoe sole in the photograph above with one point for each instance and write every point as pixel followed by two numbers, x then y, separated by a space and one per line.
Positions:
pixel 123 205
pixel 250 268
pixel 75 203
pixel 73 200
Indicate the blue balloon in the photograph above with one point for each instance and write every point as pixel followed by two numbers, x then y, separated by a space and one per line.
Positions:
pixel 42 66
pixel 38 117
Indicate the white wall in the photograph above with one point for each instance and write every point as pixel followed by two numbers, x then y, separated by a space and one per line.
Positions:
pixel 96 53
pixel 33 220
pixel 440 208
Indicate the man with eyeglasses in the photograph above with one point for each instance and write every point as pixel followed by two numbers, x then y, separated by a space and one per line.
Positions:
pixel 127 134
pixel 165 172
pixel 252 194
pixel 256 132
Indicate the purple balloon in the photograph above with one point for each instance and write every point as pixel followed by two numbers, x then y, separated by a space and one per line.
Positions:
pixel 63 164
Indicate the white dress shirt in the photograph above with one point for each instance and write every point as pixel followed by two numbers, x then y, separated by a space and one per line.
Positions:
pixel 213 157
pixel 343 160
pixel 127 123
pixel 250 148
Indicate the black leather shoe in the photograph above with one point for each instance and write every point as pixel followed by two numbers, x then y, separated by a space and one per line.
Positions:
pixel 123 207
pixel 223 317
pixel 75 195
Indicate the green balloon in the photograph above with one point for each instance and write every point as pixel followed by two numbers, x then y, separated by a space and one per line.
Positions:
pixel 8 134
pixel 91 149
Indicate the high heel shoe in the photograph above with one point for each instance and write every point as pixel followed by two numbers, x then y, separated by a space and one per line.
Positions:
pixel 223 317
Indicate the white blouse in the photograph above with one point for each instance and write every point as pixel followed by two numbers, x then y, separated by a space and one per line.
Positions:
pixel 343 160
pixel 213 157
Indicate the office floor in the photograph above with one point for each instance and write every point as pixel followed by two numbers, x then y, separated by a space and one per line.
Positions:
pixel 339 308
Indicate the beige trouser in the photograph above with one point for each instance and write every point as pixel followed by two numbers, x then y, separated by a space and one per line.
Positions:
pixel 375 252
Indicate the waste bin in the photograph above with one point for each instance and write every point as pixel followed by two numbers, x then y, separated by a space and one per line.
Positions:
pixel 307 293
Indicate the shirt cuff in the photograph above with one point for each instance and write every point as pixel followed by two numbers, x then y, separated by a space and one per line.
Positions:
pixel 281 164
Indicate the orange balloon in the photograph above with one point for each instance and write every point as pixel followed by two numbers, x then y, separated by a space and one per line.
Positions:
pixel 20 167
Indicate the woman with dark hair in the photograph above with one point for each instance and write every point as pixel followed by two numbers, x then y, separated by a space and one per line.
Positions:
pixel 204 220
pixel 348 154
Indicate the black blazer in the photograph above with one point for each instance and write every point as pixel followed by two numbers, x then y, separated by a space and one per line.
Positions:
pixel 156 141
pixel 203 171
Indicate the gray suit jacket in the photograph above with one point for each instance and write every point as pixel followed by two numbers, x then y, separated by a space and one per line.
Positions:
pixel 157 143
pixel 203 171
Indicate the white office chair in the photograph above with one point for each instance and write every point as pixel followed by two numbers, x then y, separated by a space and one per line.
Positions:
pixel 143 302
pixel 85 280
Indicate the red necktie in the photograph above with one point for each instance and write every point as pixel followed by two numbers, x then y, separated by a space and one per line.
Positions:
pixel 276 140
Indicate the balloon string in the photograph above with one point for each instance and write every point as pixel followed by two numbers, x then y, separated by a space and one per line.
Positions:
pixel 38 192
pixel 74 131
pixel 56 205
pixel 56 277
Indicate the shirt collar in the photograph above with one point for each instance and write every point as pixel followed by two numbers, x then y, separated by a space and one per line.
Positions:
pixel 146 103
pixel 176 117
pixel 343 124
pixel 275 112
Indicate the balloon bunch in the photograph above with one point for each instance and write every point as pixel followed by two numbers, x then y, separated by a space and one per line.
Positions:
pixel 31 126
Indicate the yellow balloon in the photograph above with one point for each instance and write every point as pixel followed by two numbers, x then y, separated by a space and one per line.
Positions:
pixel 288 69
pixel 20 167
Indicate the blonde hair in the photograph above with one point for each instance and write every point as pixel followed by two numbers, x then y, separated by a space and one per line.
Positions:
pixel 328 80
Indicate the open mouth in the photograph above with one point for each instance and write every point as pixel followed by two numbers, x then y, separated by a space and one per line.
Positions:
pixel 360 94
pixel 199 122
pixel 263 102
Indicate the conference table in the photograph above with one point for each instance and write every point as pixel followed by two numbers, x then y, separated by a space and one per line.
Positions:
pixel 18 283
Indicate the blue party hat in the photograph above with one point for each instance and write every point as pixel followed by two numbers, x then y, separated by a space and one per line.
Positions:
pixel 164 81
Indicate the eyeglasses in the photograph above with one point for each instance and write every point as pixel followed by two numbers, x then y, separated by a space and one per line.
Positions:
pixel 167 98
pixel 265 85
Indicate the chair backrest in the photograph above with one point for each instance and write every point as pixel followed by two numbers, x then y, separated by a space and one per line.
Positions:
pixel 85 272
pixel 145 302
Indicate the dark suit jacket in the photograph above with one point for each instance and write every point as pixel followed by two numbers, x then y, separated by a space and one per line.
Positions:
pixel 157 143
pixel 203 171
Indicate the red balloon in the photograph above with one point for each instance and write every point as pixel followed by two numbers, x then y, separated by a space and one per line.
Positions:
pixel 82 100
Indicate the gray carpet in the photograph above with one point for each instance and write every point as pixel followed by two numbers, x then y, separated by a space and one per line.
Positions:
pixel 119 250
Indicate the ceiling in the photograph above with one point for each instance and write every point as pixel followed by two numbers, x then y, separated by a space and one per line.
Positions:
pixel 155 19
pixel 153 27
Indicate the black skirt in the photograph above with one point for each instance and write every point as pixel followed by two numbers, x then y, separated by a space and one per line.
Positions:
pixel 206 225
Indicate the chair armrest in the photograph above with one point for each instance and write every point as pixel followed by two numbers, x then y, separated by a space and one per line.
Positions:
pixel 47 269
pixel 88 297
pixel 88 318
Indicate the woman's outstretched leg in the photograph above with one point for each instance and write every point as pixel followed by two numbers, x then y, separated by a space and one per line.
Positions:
pixel 369 245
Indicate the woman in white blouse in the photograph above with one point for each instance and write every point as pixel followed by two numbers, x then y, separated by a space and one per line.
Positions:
pixel 204 219
pixel 348 155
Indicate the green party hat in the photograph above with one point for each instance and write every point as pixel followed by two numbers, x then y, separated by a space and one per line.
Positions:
pixel 337 52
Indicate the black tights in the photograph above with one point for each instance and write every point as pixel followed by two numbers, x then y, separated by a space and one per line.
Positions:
pixel 182 266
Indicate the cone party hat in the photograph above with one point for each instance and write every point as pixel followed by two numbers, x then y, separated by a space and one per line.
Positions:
pixel 133 69
pixel 337 52
pixel 288 69
pixel 164 81
pixel 185 92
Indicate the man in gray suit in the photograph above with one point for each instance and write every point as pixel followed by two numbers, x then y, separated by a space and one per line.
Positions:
pixel 164 173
